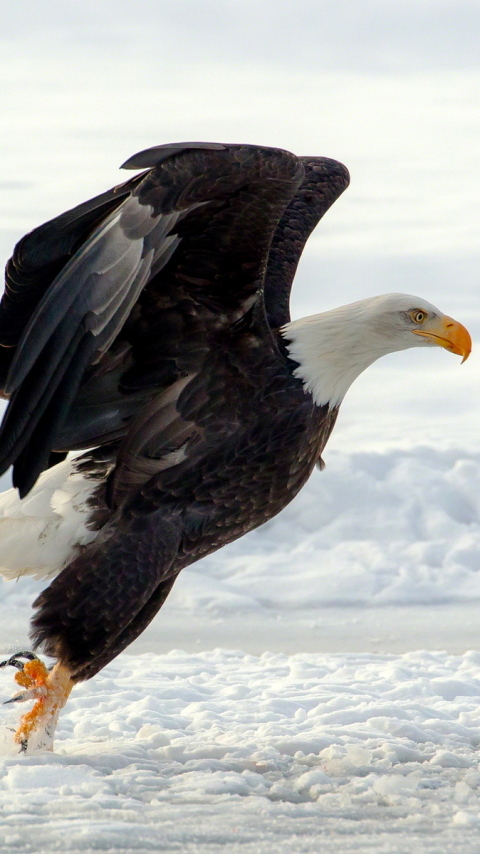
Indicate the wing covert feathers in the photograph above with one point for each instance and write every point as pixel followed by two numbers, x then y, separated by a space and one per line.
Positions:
pixel 110 304
pixel 324 181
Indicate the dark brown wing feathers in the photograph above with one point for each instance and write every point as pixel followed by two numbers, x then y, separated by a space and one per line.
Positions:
pixel 324 181
pixel 142 324
pixel 38 258
pixel 121 297
pixel 218 261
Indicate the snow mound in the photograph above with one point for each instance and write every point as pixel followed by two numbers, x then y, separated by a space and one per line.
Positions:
pixel 401 527
pixel 345 748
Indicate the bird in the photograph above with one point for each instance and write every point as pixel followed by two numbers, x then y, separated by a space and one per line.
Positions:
pixel 161 400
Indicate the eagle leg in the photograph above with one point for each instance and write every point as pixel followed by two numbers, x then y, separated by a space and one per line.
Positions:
pixel 50 690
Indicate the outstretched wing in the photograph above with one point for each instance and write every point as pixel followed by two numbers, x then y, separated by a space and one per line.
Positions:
pixel 119 295
pixel 324 181
pixel 40 256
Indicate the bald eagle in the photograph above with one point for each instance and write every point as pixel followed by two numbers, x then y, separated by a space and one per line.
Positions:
pixel 161 401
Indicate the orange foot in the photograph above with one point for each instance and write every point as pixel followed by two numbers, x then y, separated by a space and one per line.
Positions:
pixel 50 690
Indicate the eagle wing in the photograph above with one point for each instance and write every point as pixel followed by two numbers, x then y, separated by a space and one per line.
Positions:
pixel 111 306
pixel 323 182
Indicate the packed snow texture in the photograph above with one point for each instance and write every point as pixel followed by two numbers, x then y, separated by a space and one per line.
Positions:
pixel 220 749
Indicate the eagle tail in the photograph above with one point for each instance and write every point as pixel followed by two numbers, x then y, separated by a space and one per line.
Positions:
pixel 40 533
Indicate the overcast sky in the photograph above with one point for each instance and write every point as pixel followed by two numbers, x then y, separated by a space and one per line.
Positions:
pixel 360 35
pixel 390 87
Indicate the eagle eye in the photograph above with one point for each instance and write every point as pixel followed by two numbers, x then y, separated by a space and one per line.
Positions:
pixel 418 315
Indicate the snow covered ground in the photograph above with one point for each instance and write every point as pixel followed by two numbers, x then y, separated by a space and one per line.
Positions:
pixel 222 750
pixel 291 695
pixel 200 739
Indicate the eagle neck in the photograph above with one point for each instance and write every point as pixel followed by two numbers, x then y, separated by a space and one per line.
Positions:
pixel 331 350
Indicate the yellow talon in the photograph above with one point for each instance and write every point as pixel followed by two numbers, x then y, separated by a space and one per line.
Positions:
pixel 34 673
pixel 51 692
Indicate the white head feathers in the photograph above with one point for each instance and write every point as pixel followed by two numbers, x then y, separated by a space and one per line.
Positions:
pixel 333 348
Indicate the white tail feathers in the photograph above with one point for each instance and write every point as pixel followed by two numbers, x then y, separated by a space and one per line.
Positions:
pixel 38 535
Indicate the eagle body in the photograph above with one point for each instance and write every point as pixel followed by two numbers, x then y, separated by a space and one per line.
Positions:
pixel 190 509
pixel 161 401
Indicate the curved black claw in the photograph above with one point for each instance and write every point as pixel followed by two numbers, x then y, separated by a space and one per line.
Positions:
pixel 14 661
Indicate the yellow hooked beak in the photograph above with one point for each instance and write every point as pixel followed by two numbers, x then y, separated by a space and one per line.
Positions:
pixel 448 333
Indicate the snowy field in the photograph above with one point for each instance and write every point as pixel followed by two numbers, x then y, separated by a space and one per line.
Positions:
pixel 226 751
pixel 221 749
pixel 316 685
pixel 224 743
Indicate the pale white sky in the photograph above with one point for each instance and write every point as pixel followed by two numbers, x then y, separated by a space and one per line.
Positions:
pixel 390 87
